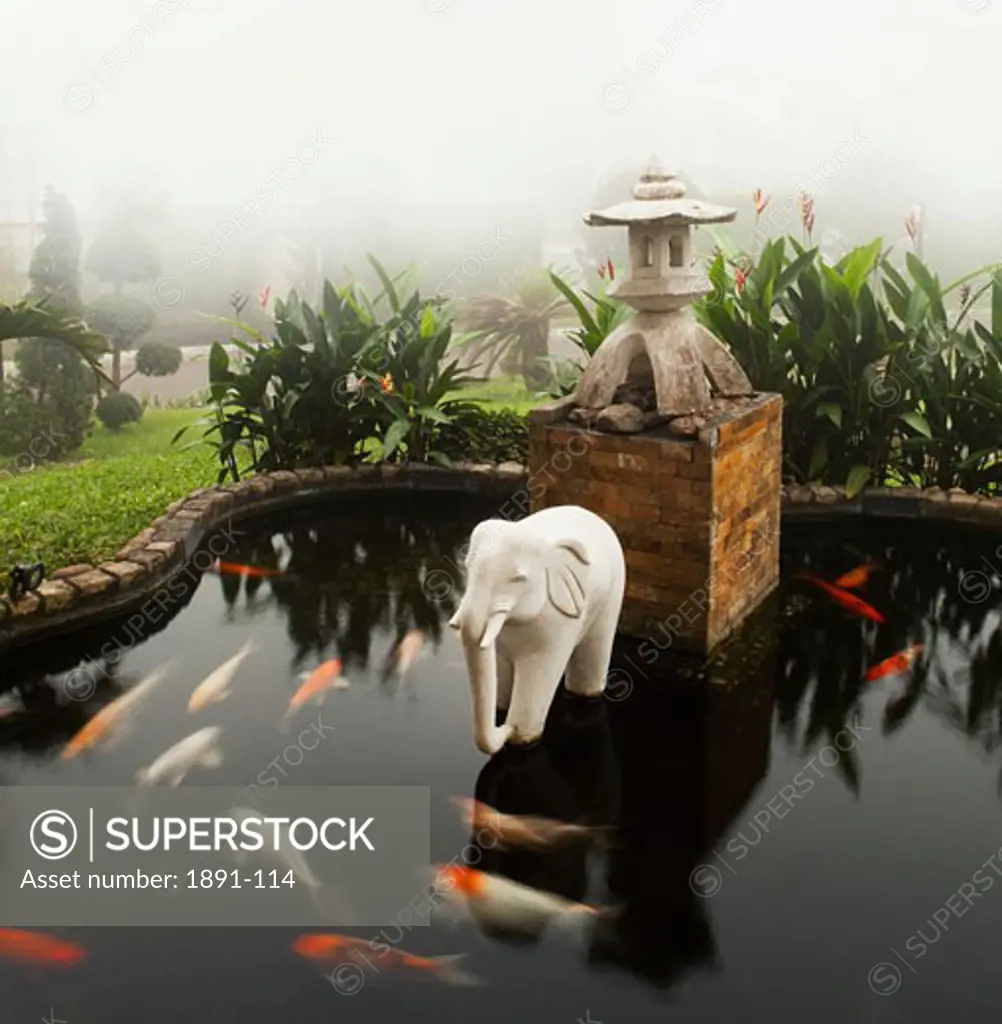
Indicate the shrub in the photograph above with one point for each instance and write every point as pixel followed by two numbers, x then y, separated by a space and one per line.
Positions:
pixel 156 360
pixel 485 435
pixel 118 409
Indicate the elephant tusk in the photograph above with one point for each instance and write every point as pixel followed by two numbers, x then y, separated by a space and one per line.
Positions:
pixel 491 630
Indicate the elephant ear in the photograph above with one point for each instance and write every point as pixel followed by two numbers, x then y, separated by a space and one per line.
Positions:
pixel 563 578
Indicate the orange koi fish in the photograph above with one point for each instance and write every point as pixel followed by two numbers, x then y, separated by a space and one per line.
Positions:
pixel 114 717
pixel 38 949
pixel 331 950
pixel 895 663
pixel 513 830
pixel 850 602
pixel 858 577
pixel 500 903
pixel 323 678
pixel 235 569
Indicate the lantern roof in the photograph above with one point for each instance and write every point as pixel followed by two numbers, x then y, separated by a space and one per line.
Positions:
pixel 659 198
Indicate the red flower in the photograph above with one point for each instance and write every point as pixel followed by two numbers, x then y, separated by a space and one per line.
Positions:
pixel 612 270
pixel 760 203
pixel 263 297
pixel 739 280
pixel 601 272
pixel 386 383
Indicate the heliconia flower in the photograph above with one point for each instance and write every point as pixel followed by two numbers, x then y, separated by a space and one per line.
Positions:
pixel 612 270
pixel 912 224
pixel 263 297
pixel 965 294
pixel 386 383
pixel 760 203
pixel 740 277
pixel 809 221
pixel 601 272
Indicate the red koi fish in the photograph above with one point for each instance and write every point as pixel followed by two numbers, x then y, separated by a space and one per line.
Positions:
pixel 895 663
pixel 850 602
pixel 858 577
pixel 36 949
pixel 332 950
pixel 245 570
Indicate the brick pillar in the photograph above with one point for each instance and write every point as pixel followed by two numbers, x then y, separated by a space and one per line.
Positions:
pixel 698 519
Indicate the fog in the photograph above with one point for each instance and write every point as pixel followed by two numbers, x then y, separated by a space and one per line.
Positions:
pixel 263 137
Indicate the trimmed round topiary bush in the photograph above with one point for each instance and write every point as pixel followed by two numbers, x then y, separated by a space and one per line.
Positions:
pixel 156 360
pixel 118 409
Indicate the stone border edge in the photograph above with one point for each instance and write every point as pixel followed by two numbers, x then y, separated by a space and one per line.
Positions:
pixel 76 595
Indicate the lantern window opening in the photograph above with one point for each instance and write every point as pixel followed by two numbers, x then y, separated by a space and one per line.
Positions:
pixel 675 251
pixel 648 251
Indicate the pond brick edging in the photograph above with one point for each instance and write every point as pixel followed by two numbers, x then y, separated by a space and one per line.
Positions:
pixel 77 593
pixel 82 592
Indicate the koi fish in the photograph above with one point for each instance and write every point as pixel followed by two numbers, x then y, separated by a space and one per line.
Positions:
pixel 850 602
pixel 38 949
pixel 858 577
pixel 215 687
pixel 284 851
pixel 331 950
pixel 499 902
pixel 408 651
pixel 514 830
pixel 235 569
pixel 314 688
pixel 200 748
pixel 115 716
pixel 895 663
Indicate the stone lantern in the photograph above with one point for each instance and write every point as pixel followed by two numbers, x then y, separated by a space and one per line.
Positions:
pixel 660 361
pixel 666 439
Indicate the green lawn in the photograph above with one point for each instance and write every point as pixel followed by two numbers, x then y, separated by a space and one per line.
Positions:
pixel 86 510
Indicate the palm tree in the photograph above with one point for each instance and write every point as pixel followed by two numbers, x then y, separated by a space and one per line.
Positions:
pixel 26 320
pixel 514 332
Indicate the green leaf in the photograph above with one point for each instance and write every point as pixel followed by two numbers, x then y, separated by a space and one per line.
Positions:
pixel 397 432
pixel 428 412
pixel 819 459
pixel 917 422
pixel 856 481
pixel 928 284
pixel 832 410
pixel 384 279
pixel 427 322
pixel 997 305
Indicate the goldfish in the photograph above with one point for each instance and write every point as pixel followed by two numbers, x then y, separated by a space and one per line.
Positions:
pixel 857 577
pixel 848 601
pixel 513 830
pixel 215 687
pixel 498 902
pixel 200 748
pixel 331 950
pixel 895 663
pixel 38 949
pixel 235 569
pixel 314 688
pixel 114 717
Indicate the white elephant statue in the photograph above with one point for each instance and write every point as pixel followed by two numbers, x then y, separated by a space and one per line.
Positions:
pixel 543 598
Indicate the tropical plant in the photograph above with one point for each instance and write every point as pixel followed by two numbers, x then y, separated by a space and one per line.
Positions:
pixel 118 409
pixel 594 328
pixel 411 394
pixel 513 332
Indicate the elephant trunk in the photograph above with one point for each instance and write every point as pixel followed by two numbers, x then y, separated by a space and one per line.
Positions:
pixel 481 661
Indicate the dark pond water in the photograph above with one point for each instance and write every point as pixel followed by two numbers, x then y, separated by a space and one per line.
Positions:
pixel 791 842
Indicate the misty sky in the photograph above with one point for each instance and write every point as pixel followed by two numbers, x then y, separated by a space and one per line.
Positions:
pixel 531 100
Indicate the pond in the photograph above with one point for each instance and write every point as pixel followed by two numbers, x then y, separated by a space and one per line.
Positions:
pixel 784 840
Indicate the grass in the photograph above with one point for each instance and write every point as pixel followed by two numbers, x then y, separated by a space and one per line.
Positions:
pixel 86 510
